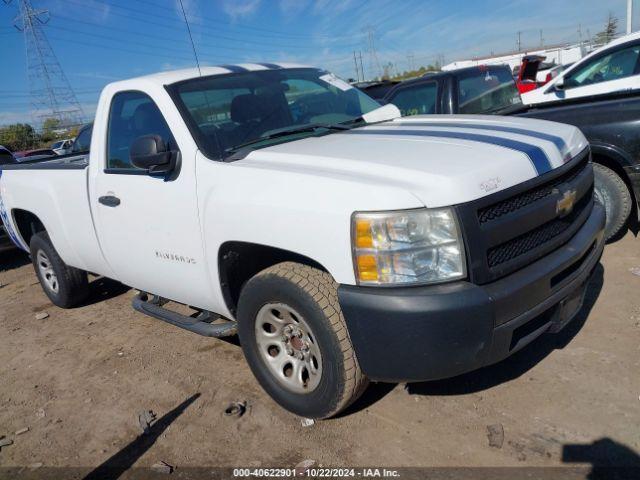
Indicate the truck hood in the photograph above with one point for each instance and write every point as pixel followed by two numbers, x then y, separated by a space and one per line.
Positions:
pixel 441 159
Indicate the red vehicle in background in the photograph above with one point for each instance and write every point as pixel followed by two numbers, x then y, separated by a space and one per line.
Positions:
pixel 526 75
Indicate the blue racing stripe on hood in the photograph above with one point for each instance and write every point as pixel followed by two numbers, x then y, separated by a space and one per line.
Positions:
pixel 272 66
pixel 559 142
pixel 234 68
pixel 536 155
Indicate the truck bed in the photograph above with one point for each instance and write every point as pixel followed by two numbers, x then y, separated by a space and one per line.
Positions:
pixel 63 162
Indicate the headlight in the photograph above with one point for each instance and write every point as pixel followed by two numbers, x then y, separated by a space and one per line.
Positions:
pixel 407 247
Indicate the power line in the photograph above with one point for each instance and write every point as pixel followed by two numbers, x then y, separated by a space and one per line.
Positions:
pixel 190 38
pixel 145 14
pixel 211 32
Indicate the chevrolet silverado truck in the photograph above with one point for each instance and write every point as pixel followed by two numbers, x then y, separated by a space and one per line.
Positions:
pixel 341 243
pixel 609 123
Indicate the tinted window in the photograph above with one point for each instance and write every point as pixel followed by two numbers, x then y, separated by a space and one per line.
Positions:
pixel 416 99
pixel 486 90
pixel 225 111
pixel 132 115
pixel 620 64
pixel 82 142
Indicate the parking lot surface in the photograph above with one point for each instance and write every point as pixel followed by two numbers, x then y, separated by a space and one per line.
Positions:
pixel 78 379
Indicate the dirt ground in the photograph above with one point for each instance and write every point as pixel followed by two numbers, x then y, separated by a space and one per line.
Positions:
pixel 78 379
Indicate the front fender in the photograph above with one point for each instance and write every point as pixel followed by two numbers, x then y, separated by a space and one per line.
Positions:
pixel 301 213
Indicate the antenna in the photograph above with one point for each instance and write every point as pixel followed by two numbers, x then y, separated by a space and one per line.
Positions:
pixel 190 37
pixel 51 95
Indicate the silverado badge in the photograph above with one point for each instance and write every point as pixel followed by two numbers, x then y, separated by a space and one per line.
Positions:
pixel 564 206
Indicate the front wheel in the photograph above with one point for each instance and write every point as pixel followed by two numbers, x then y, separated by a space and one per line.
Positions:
pixel 296 342
pixel 65 286
pixel 613 194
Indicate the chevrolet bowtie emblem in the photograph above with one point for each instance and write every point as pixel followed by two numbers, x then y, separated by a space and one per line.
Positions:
pixel 564 206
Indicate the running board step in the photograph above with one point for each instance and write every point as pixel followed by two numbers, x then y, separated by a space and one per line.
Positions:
pixel 201 324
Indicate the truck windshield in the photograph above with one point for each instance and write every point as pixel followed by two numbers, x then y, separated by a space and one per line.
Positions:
pixel 225 112
pixel 487 90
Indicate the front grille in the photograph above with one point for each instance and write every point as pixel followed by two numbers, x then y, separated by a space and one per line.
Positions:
pixel 534 238
pixel 517 202
pixel 511 229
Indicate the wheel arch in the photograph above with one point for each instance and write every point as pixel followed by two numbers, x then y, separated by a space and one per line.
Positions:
pixel 616 160
pixel 239 261
pixel 27 224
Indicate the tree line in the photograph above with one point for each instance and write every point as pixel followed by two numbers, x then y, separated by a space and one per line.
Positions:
pixel 22 136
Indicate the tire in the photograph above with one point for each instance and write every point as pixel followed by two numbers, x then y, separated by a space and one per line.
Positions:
pixel 612 192
pixel 65 286
pixel 305 299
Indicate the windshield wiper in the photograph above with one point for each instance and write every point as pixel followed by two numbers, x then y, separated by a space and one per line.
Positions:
pixel 283 132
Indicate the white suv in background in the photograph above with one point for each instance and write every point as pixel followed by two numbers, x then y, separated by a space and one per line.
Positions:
pixel 609 69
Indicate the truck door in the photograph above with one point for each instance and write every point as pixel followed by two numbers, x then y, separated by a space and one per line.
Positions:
pixel 148 226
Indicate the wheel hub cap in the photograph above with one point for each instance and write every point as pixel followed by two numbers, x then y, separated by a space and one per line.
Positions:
pixel 288 347
pixel 49 278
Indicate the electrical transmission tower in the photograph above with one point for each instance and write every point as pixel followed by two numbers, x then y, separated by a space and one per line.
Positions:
pixel 50 93
pixel 373 56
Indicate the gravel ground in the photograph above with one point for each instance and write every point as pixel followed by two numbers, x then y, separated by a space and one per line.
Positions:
pixel 78 379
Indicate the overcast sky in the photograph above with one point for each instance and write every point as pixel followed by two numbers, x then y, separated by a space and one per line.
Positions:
pixel 98 41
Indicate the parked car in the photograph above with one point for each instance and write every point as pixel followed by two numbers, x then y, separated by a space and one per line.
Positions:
pixel 610 125
pixel 62 147
pixel 548 74
pixel 40 153
pixel 611 69
pixel 526 77
pixel 341 242
pixel 6 156
pixel 376 89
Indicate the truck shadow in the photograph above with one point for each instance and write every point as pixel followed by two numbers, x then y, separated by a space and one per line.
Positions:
pixel 102 289
pixel 520 362
pixel 511 368
pixel 12 259
pixel 609 459
pixel 124 459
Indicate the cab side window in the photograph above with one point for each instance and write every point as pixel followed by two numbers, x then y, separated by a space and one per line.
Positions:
pixel 132 115
pixel 416 100
pixel 613 66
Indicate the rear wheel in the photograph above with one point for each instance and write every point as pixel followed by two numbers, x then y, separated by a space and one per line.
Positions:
pixel 64 285
pixel 614 195
pixel 296 342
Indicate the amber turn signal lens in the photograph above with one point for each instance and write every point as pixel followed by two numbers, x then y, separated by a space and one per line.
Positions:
pixel 367 268
pixel 364 237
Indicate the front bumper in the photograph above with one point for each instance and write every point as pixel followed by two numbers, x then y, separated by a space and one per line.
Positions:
pixel 434 332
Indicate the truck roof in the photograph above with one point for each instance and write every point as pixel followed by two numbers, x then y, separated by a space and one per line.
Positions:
pixel 173 76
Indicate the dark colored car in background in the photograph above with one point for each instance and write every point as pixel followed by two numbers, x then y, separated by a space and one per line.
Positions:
pixel 6 157
pixel 42 152
pixel 610 123
pixel 376 89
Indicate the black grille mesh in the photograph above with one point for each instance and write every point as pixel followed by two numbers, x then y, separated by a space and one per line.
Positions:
pixel 515 203
pixel 536 237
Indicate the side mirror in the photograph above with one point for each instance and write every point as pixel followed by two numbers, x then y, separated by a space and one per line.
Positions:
pixel 150 153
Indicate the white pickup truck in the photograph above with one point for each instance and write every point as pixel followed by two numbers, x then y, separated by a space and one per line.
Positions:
pixel 341 242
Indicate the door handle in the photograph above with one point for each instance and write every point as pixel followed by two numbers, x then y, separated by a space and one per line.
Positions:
pixel 109 201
